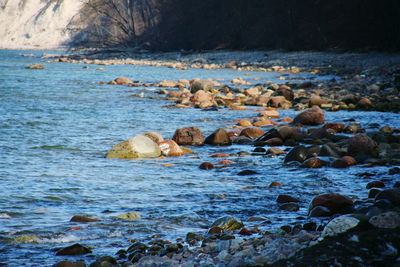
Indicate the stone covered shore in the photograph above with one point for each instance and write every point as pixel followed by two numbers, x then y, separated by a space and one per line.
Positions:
pixel 357 232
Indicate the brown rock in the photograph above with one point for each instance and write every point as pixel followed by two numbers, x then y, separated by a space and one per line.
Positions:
pixel 156 137
pixel 316 100
pixel 271 113
pixel 244 123
pixel 252 132
pixel 286 92
pixel 275 184
pixel 337 127
pixel 170 149
pixel 220 155
pixel 191 136
pixel 206 166
pixel 75 249
pixel 336 203
pixel 286 198
pixel 219 138
pixel 275 151
pixel 279 102
pixel 123 81
pixel 276 141
pixel 312 116
pixel 83 219
pixel 313 162
pixel 362 145
pixel 344 162
pixel 364 103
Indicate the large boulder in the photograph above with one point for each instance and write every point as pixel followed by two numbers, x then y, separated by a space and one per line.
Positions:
pixel 202 99
pixel 139 146
pixel 362 145
pixel 191 136
pixel 219 138
pixel 392 195
pixel 335 203
pixel 76 249
pixel 311 116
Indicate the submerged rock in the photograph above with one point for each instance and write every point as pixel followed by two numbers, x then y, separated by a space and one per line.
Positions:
pixel 228 223
pixel 128 216
pixel 35 67
pixel 123 81
pixel 139 146
pixel 76 249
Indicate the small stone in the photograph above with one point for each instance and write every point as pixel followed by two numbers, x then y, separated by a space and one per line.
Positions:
pixel 83 219
pixel 310 226
pixel 128 216
pixel 275 184
pixel 228 223
pixel 286 199
pixel 289 206
pixel 245 232
pixel 252 132
pixel 123 81
pixel 247 172
pixel 335 203
pixel 313 162
pixel 320 211
pixel 376 184
pixel 275 151
pixel 75 249
pixel 373 192
pixel 206 166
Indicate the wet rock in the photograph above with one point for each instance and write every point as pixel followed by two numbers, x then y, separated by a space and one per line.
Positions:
pixel 219 138
pixel 252 132
pixel 279 102
pixel 156 137
pixel 286 199
pixel 170 149
pixel 394 170
pixel 275 184
pixel 193 238
pixel 340 225
pixel 35 67
pixel 373 192
pixel 335 203
pixel 247 172
pixel 312 116
pixel 123 81
pixel 377 184
pixel 320 211
pixel 189 136
pixel 105 261
pixel 206 166
pixel 289 206
pixel 270 113
pixel 276 141
pixel 337 127
pixel 128 216
pixel 392 195
pixel 139 146
pixel 215 230
pixel 245 232
pixel 202 99
pixel 83 219
pixel 362 145
pixel 76 249
pixel 244 123
pixel 298 154
pixel 197 85
pixel 228 223
pixel 364 103
pixel 286 92
pixel 275 151
pixel 70 264
pixel 387 220
pixel 344 162
pixel 242 140
pixel 313 163
pixel 310 226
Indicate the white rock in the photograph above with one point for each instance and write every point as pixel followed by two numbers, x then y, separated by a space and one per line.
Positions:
pixel 340 225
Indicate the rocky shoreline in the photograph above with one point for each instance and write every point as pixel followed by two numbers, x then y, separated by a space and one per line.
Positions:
pixel 363 232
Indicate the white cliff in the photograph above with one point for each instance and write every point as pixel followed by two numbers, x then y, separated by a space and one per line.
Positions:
pixel 40 24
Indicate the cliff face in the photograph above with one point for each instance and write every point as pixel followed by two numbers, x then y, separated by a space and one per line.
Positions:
pixel 37 23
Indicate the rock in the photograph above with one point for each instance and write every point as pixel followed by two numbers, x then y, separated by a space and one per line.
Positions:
pixel 139 146
pixel 387 220
pixel 298 153
pixel 312 116
pixel 206 166
pixel 123 81
pixel 264 122
pixel 392 195
pixel 275 151
pixel 219 138
pixel 286 92
pixel 336 203
pixel 228 223
pixel 245 123
pixel 245 232
pixel 289 206
pixel 35 67
pixel 362 145
pixel 240 81
pixel 252 132
pixel 320 211
pixel 270 113
pixel 202 99
pixel 215 230
pixel 83 219
pixel 316 100
pixel 276 141
pixel 313 162
pixel 156 137
pixel 76 249
pixel 376 184
pixel 286 199
pixel 247 172
pixel 364 103
pixel 166 83
pixel 189 136
pixel 128 216
pixel 170 149
pixel 105 261
pixel 204 85
pixel 275 184
pixel 373 192
pixel 279 102
pixel 394 170
pixel 336 126
pixel 70 264
pixel 340 225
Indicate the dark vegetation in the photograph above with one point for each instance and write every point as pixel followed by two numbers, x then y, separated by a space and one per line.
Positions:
pixel 260 24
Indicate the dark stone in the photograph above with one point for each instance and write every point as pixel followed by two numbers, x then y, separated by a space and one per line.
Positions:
pixel 376 184
pixel 286 199
pixel 392 195
pixel 289 206
pixel 310 226
pixel 219 138
pixel 247 172
pixel 206 166
pixel 394 170
pixel 298 153
pixel 76 249
pixel 286 228
pixel 320 211
pixel 373 192
pixel 83 219
pixel 335 203
pixel 69 264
